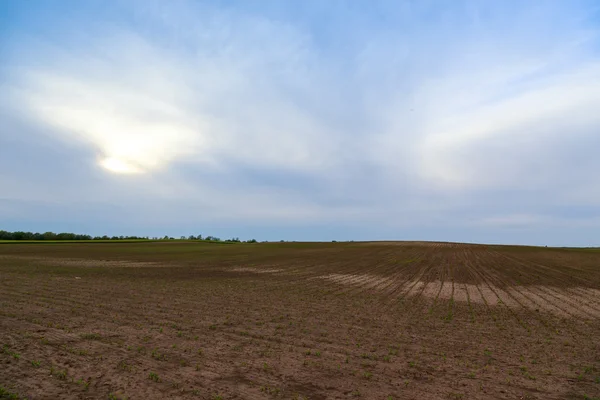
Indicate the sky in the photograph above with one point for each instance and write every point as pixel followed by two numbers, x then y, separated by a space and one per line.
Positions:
pixel 472 121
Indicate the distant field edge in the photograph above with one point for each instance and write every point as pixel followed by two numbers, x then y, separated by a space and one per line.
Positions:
pixel 298 243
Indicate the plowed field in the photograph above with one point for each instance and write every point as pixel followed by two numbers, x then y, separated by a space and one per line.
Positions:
pixel 405 320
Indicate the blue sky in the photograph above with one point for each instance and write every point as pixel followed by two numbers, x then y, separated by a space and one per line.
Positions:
pixel 303 120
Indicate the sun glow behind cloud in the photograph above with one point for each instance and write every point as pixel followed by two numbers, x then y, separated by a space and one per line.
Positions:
pixel 132 129
pixel 119 166
pixel 151 105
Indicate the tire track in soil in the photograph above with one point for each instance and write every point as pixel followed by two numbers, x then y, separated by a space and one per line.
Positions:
pixel 401 272
pixel 551 271
pixel 406 273
pixel 366 276
pixel 388 281
pixel 555 308
pixel 290 278
pixel 436 288
pixel 451 305
pixel 411 285
pixel 513 291
pixel 575 311
pixel 468 297
pixel 586 311
pixel 415 295
pixel 403 288
pixel 391 280
pixel 443 304
pixel 588 295
pixel 303 273
pixel 557 270
pixel 466 293
pixel 356 268
pixel 356 284
pixel 526 296
pixel 480 293
pixel 503 297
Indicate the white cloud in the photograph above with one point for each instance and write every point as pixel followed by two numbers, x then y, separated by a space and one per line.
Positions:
pixel 512 221
pixel 535 221
pixel 122 124
pixel 145 106
pixel 526 119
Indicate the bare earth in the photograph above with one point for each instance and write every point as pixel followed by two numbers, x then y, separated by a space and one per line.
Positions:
pixel 388 320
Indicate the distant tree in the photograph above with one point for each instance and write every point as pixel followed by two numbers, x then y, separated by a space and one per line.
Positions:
pixel 18 235
pixel 21 235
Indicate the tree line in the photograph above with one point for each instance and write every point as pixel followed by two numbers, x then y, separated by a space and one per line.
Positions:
pixel 20 235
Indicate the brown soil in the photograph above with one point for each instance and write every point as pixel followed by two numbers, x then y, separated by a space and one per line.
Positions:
pixel 405 320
